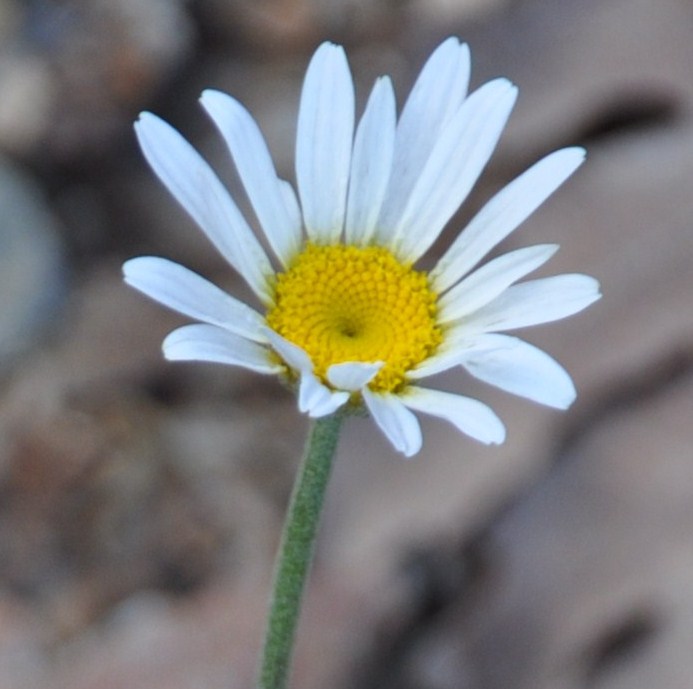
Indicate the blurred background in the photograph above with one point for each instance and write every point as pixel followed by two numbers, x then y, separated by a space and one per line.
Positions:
pixel 140 501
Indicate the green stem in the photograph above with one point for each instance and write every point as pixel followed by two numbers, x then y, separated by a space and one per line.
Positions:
pixel 296 551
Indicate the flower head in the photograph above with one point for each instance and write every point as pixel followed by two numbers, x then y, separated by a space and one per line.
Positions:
pixel 346 315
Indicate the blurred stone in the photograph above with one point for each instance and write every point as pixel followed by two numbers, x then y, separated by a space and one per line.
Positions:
pixel 25 110
pixel 593 561
pixel 32 271
pixel 23 644
pixel 279 27
pixel 9 17
pixel 211 640
pixel 438 14
pixel 264 27
pixel 74 74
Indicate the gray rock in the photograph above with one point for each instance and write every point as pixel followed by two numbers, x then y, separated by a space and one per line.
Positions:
pixel 73 75
pixel 32 269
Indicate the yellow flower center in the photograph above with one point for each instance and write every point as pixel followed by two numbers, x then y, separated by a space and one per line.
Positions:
pixel 347 303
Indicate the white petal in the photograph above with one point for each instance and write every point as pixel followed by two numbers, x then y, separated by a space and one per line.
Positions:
pixel 440 89
pixel 324 141
pixel 455 163
pixel 503 213
pixel 536 301
pixel 352 375
pixel 468 415
pixel 437 94
pixel 448 355
pixel 293 208
pixel 256 169
pixel 492 279
pixel 522 369
pixel 398 424
pixel 292 354
pixel 202 342
pixel 316 399
pixel 190 294
pixel 197 188
pixel 371 163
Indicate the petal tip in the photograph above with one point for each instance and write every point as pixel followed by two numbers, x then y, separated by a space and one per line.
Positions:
pixel 146 119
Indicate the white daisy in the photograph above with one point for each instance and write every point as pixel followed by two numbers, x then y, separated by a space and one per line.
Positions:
pixel 345 314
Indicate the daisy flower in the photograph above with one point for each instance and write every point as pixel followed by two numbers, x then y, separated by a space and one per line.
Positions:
pixel 345 315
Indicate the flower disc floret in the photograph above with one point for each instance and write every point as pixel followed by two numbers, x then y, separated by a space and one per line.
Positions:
pixel 344 303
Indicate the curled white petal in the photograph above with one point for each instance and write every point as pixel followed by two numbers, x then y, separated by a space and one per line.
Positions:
pixel 256 169
pixel 503 213
pixel 352 375
pixel 316 399
pixel 398 424
pixel 292 354
pixel 190 294
pixel 203 342
pixel 324 141
pixel 518 367
pixel 468 415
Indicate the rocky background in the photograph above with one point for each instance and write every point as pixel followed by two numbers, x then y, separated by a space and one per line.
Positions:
pixel 140 502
